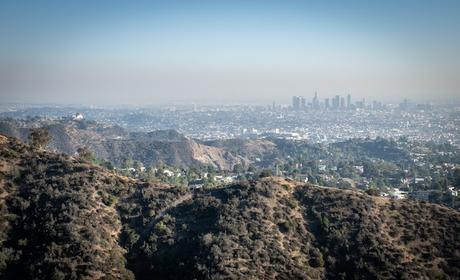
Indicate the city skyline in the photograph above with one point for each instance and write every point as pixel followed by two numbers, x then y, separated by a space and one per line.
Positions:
pixel 285 102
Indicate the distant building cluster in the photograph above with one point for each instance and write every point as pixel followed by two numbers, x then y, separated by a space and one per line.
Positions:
pixel 324 120
pixel 337 102
pixel 340 103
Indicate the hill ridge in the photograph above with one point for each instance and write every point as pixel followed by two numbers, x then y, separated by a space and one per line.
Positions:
pixel 62 217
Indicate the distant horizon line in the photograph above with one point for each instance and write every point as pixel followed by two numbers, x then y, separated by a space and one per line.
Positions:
pixel 229 104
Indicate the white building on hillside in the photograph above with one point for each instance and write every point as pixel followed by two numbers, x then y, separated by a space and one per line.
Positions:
pixel 78 117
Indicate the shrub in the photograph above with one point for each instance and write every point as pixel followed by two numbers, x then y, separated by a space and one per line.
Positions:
pixel 285 226
pixel 39 137
pixel 373 192
pixel 161 228
pixel 266 173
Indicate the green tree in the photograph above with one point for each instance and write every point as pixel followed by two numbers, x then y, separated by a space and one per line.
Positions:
pixel 373 192
pixel 457 177
pixel 149 174
pixel 128 162
pixel 266 173
pixel 238 168
pixel 107 164
pixel 252 168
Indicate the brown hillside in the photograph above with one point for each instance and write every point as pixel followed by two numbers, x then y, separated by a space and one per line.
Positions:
pixel 63 218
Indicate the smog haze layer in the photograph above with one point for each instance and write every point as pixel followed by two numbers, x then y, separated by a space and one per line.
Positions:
pixel 157 52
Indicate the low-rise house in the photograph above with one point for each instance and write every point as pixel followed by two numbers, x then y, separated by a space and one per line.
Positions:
pixel 453 191
pixel 359 169
pixel 398 194
pixel 418 180
pixel 224 179
pixel 302 178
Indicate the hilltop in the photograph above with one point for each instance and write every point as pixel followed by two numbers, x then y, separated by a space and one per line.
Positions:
pixel 117 145
pixel 64 218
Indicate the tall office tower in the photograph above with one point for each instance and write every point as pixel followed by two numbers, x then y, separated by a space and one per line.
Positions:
pixel 298 103
pixel 315 102
pixel 326 103
pixel 348 101
pixel 342 102
pixel 336 102
pixel 295 102
pixel 302 103
pixel 404 105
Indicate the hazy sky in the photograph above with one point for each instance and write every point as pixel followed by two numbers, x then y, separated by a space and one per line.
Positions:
pixel 151 52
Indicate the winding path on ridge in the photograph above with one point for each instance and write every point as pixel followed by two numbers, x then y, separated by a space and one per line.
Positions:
pixel 172 205
pixel 166 209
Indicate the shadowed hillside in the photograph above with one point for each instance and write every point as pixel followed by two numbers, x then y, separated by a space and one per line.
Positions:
pixel 57 217
pixel 63 218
